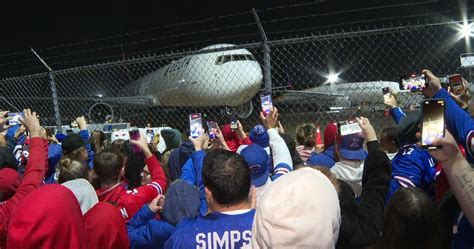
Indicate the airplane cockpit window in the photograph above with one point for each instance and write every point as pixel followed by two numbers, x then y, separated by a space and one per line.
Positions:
pixel 234 57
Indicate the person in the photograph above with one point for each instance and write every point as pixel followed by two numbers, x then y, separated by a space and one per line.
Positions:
pixel 411 221
pixel 411 166
pixel 459 174
pixel 362 218
pixel 105 228
pixel 97 141
pixel 108 166
pixel 34 172
pixel 305 138
pixel 257 158
pixel 178 157
pixel 291 144
pixel 77 146
pixel 350 166
pixel 172 138
pixel 51 217
pixel 389 142
pixel 326 158
pixel 226 181
pixel 70 169
pixel 311 219
pixel 182 201
pixel 84 192
pixel 459 122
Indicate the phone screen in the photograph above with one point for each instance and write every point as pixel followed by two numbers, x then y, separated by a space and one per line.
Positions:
pixel 150 134
pixel 135 135
pixel 433 122
pixel 195 124
pixel 233 123
pixel 212 129
pixel 348 127
pixel 413 82
pixel 267 104
pixel 455 84
pixel 14 118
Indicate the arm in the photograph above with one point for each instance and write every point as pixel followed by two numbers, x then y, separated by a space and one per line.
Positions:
pixel 188 173
pixel 145 231
pixel 459 172
pixel 84 133
pixel 34 172
pixel 198 159
pixel 397 114
pixel 280 154
pixel 369 211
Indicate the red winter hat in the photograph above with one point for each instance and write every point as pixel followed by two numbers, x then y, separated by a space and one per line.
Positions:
pixel 330 133
pixel 49 217
pixel 106 228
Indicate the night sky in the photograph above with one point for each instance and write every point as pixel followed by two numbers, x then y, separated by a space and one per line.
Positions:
pixel 43 25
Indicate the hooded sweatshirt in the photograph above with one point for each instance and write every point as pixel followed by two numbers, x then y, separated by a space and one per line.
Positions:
pixel 50 217
pixel 32 179
pixel 105 228
pixel 84 193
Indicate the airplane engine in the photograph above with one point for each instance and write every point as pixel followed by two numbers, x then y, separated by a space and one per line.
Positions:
pixel 244 110
pixel 101 112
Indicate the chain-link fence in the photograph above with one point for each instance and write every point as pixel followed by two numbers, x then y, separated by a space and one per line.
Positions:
pixel 221 80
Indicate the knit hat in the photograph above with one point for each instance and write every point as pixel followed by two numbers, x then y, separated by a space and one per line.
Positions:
pixel 257 159
pixel 330 133
pixel 407 129
pixel 172 138
pixel 182 201
pixel 72 143
pixel 9 182
pixel 300 210
pixel 84 192
pixel 259 135
pixel 351 147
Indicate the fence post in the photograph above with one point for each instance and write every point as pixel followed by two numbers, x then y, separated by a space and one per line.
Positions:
pixel 267 65
pixel 54 92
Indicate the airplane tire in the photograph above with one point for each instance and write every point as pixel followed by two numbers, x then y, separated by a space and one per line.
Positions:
pixel 244 110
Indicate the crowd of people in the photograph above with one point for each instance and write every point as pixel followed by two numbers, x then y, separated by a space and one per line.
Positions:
pixel 257 189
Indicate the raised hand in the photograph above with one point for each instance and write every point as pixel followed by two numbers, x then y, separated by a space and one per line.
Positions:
pixel 31 122
pixel 271 120
pixel 368 131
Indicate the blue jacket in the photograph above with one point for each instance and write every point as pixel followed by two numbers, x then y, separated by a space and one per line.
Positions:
pixel 459 123
pixel 55 152
pixel 144 231
pixel 397 114
pixel 192 173
pixel 414 167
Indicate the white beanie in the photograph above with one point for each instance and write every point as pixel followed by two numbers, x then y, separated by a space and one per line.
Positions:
pixel 299 210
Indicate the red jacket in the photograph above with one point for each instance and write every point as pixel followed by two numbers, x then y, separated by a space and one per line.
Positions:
pixel 105 228
pixel 32 179
pixel 130 201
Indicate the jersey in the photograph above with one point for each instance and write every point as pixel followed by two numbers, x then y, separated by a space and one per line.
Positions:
pixel 216 230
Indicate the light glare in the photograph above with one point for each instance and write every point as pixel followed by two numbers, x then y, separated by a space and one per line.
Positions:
pixel 333 78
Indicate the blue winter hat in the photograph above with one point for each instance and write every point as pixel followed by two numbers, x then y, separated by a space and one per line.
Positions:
pixel 351 147
pixel 321 160
pixel 258 135
pixel 257 159
pixel 182 201
pixel 60 137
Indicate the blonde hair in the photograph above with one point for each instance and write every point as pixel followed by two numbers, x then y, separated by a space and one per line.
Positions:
pixel 70 169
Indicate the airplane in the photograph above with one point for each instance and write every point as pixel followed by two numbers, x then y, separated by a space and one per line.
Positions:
pixel 225 78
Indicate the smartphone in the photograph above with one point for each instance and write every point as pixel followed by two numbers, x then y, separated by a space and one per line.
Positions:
pixel 134 134
pixel 455 84
pixel 14 118
pixel 212 129
pixel 386 93
pixel 432 126
pixel 348 127
pixel 195 124
pixel 233 123
pixel 150 135
pixel 413 82
pixel 267 104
